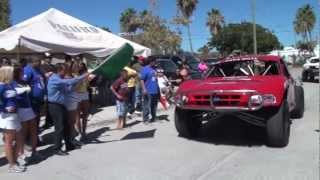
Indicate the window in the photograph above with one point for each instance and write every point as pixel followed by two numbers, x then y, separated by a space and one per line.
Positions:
pixel 167 65
pixel 244 68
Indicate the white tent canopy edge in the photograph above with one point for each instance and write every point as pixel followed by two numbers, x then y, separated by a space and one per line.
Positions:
pixel 57 32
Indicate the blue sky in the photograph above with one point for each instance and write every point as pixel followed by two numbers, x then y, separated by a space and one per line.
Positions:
pixel 276 15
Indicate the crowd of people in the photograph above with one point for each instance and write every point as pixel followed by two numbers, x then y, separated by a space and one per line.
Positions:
pixel 33 88
pixel 137 90
pixel 142 85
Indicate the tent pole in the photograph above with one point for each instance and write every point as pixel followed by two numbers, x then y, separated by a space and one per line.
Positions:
pixel 18 52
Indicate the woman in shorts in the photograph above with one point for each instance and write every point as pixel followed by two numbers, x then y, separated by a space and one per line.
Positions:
pixel 25 114
pixel 9 120
pixel 84 105
pixel 72 104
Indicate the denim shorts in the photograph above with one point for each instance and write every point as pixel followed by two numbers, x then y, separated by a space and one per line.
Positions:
pixel 122 108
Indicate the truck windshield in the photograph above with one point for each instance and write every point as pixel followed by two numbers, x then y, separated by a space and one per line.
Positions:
pixel 244 68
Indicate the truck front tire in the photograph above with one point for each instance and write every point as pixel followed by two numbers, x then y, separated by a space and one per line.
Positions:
pixel 186 125
pixel 278 127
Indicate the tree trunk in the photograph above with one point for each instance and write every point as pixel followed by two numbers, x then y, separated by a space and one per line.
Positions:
pixel 189 36
pixel 310 36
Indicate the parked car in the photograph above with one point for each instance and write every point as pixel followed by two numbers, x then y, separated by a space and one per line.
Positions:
pixel 257 89
pixel 310 69
pixel 188 59
pixel 212 61
pixel 169 68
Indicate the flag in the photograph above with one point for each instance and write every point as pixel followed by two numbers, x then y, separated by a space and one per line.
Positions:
pixel 113 64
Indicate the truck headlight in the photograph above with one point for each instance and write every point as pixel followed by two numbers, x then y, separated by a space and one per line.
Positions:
pixel 255 101
pixel 181 100
pixel 269 99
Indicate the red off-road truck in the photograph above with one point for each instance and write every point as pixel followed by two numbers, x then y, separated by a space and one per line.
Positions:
pixel 257 89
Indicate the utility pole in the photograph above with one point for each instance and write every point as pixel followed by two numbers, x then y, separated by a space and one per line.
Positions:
pixel 319 34
pixel 319 43
pixel 253 4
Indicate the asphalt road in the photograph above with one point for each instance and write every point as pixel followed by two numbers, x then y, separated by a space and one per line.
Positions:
pixel 226 150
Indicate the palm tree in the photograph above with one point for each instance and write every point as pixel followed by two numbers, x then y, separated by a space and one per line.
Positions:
pixel 128 20
pixel 304 22
pixel 187 8
pixel 215 21
pixel 5 14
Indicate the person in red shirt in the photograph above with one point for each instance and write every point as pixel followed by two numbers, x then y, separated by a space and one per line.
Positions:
pixel 121 91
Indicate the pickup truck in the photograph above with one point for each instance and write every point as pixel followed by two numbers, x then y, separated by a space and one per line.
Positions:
pixel 257 89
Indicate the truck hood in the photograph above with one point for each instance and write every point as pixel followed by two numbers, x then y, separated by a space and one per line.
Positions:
pixel 260 84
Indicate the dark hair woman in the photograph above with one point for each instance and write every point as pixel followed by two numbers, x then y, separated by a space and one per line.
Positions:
pixel 26 116
pixel 84 106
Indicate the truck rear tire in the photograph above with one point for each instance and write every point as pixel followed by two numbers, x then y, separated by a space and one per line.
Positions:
pixel 186 125
pixel 304 76
pixel 278 127
pixel 298 110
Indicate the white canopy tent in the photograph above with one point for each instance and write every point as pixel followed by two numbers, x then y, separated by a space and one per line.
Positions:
pixel 56 32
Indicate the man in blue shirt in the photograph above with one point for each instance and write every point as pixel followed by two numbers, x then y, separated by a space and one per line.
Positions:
pixel 57 89
pixel 150 89
pixel 34 77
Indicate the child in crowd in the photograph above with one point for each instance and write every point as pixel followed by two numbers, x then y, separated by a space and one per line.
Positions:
pixel 164 86
pixel 121 91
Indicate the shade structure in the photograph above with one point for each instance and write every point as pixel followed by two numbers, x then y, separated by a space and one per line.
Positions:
pixel 57 32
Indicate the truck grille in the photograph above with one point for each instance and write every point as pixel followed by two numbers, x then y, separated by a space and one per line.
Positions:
pixel 200 100
pixel 226 100
pixel 219 100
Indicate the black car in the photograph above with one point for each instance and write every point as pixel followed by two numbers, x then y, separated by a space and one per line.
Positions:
pixel 169 68
pixel 212 61
pixel 187 59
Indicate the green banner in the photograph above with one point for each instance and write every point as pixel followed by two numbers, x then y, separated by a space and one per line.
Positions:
pixel 112 65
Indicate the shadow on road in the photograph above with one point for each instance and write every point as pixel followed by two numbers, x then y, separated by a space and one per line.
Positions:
pixel 3 161
pixel 93 137
pixel 164 117
pixel 133 123
pixel 95 109
pixel 48 138
pixel 139 135
pixel 229 130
